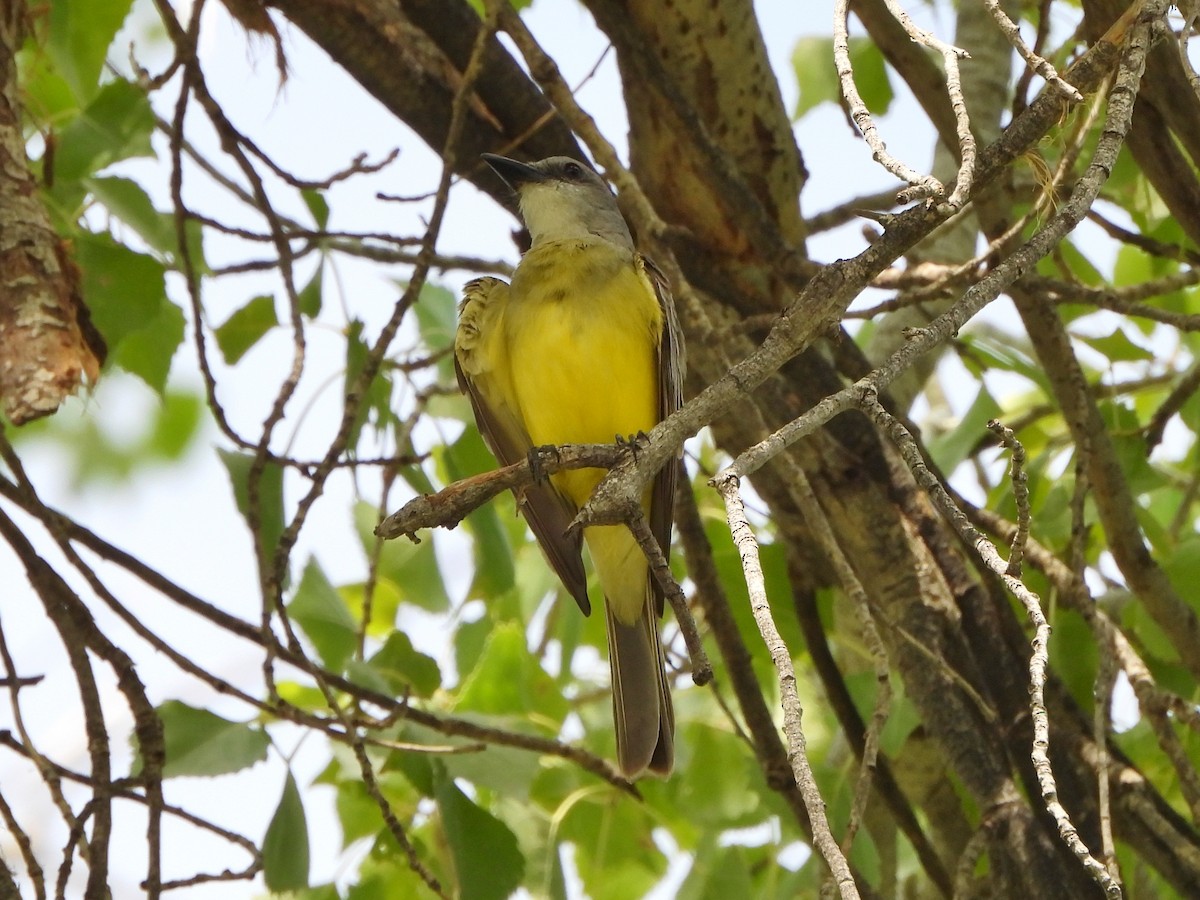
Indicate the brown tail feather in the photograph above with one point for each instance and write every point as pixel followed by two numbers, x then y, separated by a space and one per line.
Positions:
pixel 642 709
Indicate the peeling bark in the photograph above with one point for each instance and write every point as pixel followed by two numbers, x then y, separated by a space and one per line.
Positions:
pixel 48 346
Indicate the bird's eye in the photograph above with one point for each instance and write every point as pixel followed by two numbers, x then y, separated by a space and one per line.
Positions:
pixel 574 171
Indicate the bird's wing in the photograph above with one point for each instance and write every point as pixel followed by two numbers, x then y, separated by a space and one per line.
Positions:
pixel 670 397
pixel 476 351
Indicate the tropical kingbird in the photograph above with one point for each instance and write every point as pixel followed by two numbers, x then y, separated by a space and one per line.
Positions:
pixel 583 347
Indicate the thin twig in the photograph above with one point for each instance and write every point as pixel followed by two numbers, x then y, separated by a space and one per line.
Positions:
pixel 1039 660
pixel 702 672
pixel 1157 705
pixel 1102 691
pixel 1035 62
pixel 814 517
pixel 927 185
pixel 975 298
pixel 747 544
pixel 1189 383
pixel 452 504
pixel 722 627
pixel 1020 489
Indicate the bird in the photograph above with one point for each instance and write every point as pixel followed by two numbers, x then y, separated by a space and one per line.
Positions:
pixel 583 346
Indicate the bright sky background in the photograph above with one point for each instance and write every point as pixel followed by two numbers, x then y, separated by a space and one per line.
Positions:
pixel 178 518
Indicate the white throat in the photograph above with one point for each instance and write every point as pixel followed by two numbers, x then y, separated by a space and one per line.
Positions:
pixel 560 211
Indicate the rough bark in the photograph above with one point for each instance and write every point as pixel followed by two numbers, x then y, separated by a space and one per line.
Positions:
pixel 47 343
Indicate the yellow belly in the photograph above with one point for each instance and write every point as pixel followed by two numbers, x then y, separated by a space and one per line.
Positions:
pixel 582 331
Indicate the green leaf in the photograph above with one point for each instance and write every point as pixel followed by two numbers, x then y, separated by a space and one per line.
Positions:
pixel 870 75
pixel 116 125
pixel 320 892
pixel 1183 568
pixel 375 405
pixel 1117 347
pixel 399 667
pixel 45 93
pixel 411 569
pixel 1129 188
pixel 469 640
pixel 817 77
pixel 175 426
pixel 611 838
pixel 320 611
pixel 903 719
pixel 717 872
pixel 317 205
pixel 1133 266
pixel 385 606
pixel 1074 649
pixel 1080 266
pixel 269 508
pixel 986 351
pixel 311 296
pixel 285 846
pixel 201 743
pixel 487 860
pixel 509 681
pixel 126 294
pixel 416 768
pixel 948 450
pixel 1122 422
pixel 731 801
pixel 245 327
pixel 79 37
pixel 302 696
pixel 508 770
pixel 149 351
pixel 816 74
pixel 437 322
pixel 124 289
pixel 358 813
pixel 479 6
pixel 494 571
pixel 130 203
pixel 864 856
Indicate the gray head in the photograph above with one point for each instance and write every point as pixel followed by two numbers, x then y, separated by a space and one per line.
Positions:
pixel 562 199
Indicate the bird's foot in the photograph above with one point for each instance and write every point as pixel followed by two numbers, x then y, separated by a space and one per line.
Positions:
pixel 634 443
pixel 536 467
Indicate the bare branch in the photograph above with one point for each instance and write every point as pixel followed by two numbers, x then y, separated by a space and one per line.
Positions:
pixel 451 505
pixel 1035 62
pixel 1020 488
pixel 923 186
pixel 978 295
pixel 814 517
pixel 747 544
pixel 1040 659
pixel 702 672
pixel 927 184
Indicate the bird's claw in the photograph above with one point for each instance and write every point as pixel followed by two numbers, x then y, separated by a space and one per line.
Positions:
pixel 633 443
pixel 536 467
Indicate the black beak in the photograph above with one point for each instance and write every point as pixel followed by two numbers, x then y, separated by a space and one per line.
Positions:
pixel 514 173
